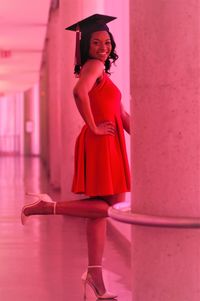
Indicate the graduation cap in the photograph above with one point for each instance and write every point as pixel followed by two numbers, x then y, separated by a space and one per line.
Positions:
pixel 88 25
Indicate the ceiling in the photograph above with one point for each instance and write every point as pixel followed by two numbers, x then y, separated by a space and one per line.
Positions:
pixel 23 26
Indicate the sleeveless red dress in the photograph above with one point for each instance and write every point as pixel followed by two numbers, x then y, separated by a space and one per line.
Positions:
pixel 101 165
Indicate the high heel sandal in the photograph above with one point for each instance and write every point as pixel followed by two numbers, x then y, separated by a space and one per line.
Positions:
pixel 88 281
pixel 41 197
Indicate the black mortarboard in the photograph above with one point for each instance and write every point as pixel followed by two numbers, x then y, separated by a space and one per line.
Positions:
pixel 91 24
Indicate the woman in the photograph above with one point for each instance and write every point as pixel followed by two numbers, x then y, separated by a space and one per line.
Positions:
pixel 101 166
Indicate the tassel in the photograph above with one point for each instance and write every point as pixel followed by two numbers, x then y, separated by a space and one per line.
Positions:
pixel 77 52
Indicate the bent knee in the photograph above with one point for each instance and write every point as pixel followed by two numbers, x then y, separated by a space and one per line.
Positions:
pixel 114 199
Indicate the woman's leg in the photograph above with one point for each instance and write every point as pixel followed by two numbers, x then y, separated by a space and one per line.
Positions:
pixel 96 210
pixel 96 236
pixel 93 207
pixel 115 198
pixel 89 208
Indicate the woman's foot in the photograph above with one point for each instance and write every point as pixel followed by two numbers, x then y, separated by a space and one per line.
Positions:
pixel 44 205
pixel 39 207
pixel 95 276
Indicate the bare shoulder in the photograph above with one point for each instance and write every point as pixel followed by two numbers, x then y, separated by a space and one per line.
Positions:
pixel 93 67
pixel 90 72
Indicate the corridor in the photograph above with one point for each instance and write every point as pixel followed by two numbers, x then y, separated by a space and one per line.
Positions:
pixel 44 260
pixel 158 75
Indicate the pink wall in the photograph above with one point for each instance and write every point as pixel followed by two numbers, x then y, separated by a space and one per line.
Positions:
pixel 12 124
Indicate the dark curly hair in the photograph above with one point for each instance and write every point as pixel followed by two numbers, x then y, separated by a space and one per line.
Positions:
pixel 84 50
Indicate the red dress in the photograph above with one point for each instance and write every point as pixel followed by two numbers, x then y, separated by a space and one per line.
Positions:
pixel 101 165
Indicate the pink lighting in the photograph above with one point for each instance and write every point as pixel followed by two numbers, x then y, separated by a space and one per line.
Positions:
pixel 23 27
pixel 48 120
pixel 5 53
pixel 158 75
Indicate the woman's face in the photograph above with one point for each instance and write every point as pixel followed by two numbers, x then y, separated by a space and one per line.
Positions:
pixel 100 45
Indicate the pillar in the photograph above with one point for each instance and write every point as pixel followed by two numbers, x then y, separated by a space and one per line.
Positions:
pixel 165 146
pixel 54 98
pixel 31 121
pixel 43 109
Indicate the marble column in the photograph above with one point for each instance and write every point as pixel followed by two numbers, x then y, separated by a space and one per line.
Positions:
pixel 31 125
pixel 54 98
pixel 165 146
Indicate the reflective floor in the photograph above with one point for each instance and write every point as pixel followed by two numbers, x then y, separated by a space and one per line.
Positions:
pixel 44 260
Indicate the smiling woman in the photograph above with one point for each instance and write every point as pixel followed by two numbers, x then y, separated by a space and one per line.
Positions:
pixel 101 170
pixel 88 36
pixel 100 46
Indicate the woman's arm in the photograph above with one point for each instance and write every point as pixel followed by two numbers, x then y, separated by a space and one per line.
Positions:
pixel 90 72
pixel 125 119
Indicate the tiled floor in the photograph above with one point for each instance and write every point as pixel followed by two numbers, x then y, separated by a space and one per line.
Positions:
pixel 44 260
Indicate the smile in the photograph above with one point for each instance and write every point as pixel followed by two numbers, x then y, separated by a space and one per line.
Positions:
pixel 103 53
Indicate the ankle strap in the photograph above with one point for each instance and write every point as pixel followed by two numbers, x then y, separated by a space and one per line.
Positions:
pixel 94 266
